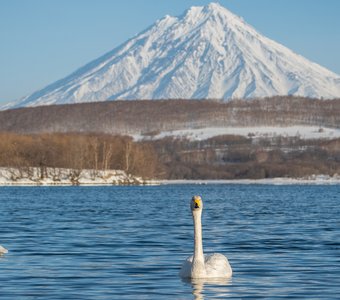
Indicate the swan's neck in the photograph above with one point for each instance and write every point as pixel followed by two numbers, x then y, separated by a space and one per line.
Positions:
pixel 198 250
pixel 198 268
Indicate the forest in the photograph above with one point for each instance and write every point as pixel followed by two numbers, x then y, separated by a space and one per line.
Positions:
pixel 77 152
pixel 147 117
pixel 98 136
pixel 221 157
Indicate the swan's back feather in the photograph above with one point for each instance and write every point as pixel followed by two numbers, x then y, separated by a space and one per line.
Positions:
pixel 216 266
pixel 185 271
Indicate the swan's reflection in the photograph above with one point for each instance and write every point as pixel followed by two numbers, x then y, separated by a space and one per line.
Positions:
pixel 219 287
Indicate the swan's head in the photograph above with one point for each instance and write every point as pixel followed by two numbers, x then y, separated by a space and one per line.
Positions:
pixel 196 203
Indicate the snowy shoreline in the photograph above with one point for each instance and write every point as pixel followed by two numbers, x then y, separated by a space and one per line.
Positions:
pixel 312 180
pixel 67 177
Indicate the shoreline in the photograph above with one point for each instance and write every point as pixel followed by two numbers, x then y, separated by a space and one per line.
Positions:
pixel 267 181
pixel 70 177
pixel 33 176
pixel 271 181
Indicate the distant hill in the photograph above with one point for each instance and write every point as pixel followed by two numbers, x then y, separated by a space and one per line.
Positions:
pixel 88 136
pixel 206 53
pixel 151 117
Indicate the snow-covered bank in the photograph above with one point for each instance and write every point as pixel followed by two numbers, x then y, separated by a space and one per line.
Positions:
pixel 311 180
pixel 57 176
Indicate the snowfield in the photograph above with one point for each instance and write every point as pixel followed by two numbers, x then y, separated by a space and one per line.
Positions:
pixel 303 132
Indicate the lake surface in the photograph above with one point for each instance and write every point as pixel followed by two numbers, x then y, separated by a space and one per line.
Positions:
pixel 129 242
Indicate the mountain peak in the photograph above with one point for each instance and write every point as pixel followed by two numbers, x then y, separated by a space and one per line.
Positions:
pixel 201 13
pixel 215 7
pixel 208 52
pixel 211 7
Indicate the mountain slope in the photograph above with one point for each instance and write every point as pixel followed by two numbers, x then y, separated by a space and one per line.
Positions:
pixel 208 52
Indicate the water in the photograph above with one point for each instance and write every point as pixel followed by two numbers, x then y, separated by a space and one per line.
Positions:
pixel 129 242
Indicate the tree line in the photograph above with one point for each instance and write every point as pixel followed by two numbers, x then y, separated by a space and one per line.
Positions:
pixel 78 152
pixel 152 116
pixel 238 157
pixel 221 157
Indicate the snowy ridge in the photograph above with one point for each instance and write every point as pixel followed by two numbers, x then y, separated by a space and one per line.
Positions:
pixel 207 52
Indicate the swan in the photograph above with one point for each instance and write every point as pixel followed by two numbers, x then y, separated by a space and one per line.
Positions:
pixel 199 265
pixel 3 250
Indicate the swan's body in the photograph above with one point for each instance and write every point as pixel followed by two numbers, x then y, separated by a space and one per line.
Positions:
pixel 216 266
pixel 200 265
pixel 3 250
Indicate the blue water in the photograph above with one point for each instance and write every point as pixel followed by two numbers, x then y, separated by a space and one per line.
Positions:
pixel 129 242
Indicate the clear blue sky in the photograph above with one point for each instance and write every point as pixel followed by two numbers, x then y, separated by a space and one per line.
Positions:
pixel 42 41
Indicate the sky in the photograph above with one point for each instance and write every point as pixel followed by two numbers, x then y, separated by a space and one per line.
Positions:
pixel 42 41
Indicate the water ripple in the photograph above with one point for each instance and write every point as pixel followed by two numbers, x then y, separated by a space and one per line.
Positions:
pixel 129 242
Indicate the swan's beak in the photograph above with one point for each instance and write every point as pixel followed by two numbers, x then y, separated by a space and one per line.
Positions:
pixel 196 203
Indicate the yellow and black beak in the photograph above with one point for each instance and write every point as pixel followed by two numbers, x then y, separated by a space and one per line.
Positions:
pixel 197 201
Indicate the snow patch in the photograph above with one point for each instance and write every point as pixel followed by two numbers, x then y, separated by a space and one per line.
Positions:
pixel 303 132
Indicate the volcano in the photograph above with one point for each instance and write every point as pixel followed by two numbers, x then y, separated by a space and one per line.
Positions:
pixel 206 53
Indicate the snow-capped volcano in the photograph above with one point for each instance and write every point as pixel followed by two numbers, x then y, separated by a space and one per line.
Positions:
pixel 208 52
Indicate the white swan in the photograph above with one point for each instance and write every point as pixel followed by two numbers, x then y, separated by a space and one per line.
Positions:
pixel 200 265
pixel 3 250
